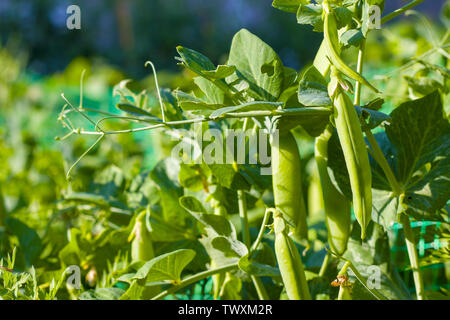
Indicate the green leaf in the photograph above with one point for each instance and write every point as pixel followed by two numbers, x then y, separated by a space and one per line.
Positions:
pixel 288 5
pixel 230 247
pixel 249 106
pixel 420 135
pixel 257 64
pixel 138 112
pixel 369 258
pixel 352 37
pixel 29 240
pixel 311 14
pixel 166 267
pixel 214 225
pixel 194 60
pixel 213 95
pixel 221 72
pixel 102 294
pixel 371 119
pixel 312 90
pixel 188 102
pixel 228 177
pixel 262 263
pixel 423 85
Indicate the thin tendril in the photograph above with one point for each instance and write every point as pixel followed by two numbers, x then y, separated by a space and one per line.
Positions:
pixel 84 154
pixel 157 89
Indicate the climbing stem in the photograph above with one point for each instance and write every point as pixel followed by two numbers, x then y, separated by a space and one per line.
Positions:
pixel 413 256
pixel 242 200
pixel 260 289
pixel 324 266
pixel 195 278
pixel 401 10
pixel 379 157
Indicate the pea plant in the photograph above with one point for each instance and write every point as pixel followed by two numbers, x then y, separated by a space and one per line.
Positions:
pixel 254 234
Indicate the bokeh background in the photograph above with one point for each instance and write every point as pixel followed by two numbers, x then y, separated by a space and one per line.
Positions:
pixel 126 33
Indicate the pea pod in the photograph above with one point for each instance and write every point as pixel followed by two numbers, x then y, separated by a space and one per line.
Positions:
pixel 289 262
pixel 287 184
pixel 141 246
pixel 337 207
pixel 331 40
pixel 142 250
pixel 345 293
pixel 355 154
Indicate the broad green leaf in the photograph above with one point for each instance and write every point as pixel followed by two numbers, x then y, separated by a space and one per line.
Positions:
pixel 262 263
pixel 423 85
pixel 228 177
pixel 213 95
pixel 288 5
pixel 249 106
pixel 194 60
pixel 166 267
pixel 230 247
pixel 343 16
pixel 257 269
pixel 188 102
pixel 257 64
pixel 371 119
pixel 352 37
pixel 29 241
pixel 214 225
pixel 221 72
pixel 311 14
pixel 165 175
pixel 138 112
pixel 420 135
pixel 312 90
pixel 372 257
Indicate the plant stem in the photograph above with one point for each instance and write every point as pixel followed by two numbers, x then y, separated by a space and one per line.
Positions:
pixel 325 263
pixel 379 157
pixel 262 294
pixel 261 231
pixel 260 289
pixel 242 200
pixel 195 278
pixel 399 11
pixel 306 111
pixel 359 69
pixel 413 256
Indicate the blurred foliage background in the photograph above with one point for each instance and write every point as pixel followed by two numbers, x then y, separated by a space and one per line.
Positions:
pixel 127 33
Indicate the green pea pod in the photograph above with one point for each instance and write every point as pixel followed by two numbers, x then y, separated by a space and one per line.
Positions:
pixel 287 184
pixel 337 207
pixel 356 158
pixel 331 39
pixel 141 246
pixel 142 250
pixel 345 293
pixel 289 262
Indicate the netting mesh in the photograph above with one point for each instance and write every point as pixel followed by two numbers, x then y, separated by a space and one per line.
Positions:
pixel 435 275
